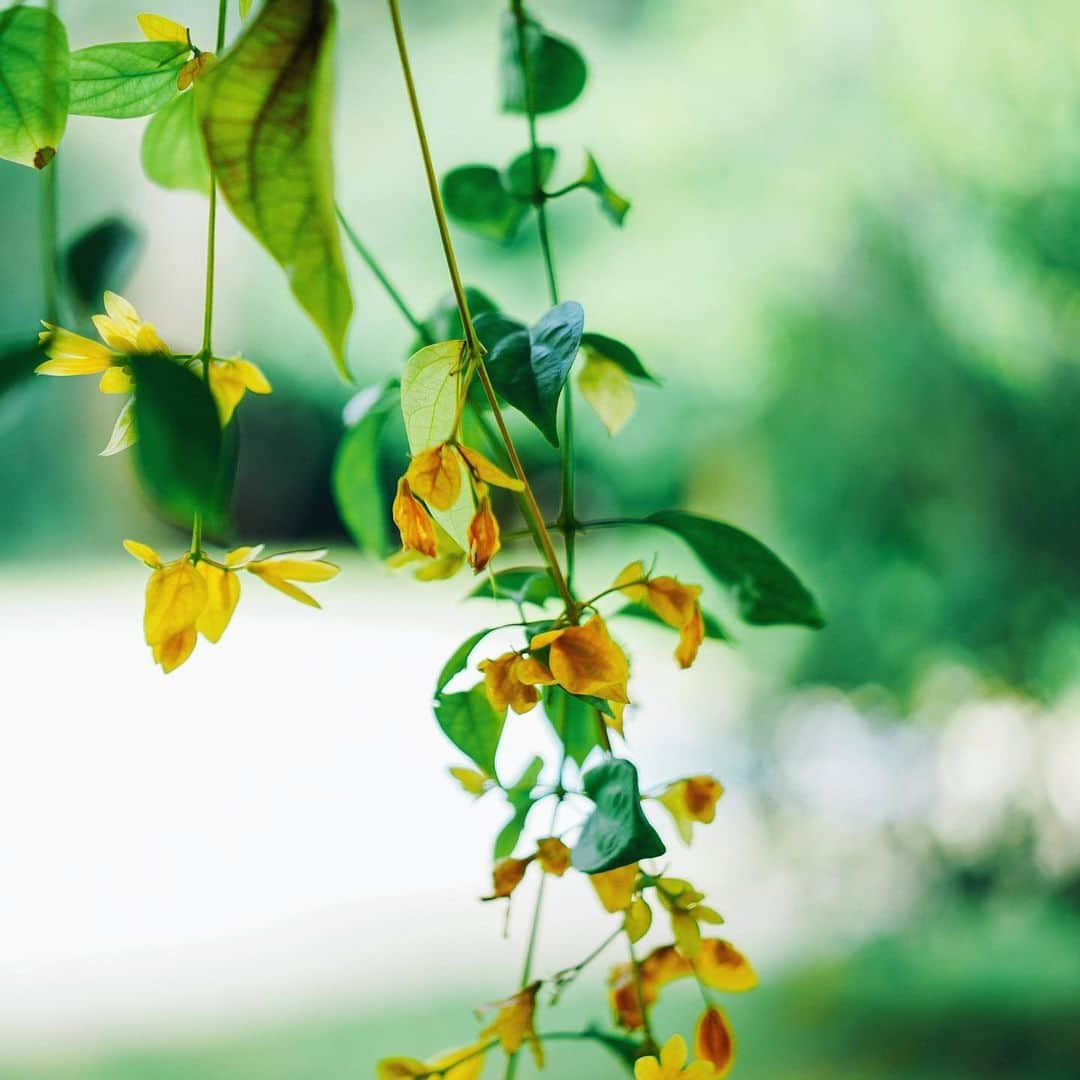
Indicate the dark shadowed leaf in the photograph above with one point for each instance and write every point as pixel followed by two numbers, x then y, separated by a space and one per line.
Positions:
pixel 173 152
pixel 608 348
pixel 472 725
pixel 556 69
pixel 125 78
pixel 520 584
pixel 103 257
pixel 17 364
pixel 444 323
pixel 575 722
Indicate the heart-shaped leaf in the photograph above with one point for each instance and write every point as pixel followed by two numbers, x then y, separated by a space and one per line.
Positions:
pixel 557 71
pixel 173 152
pixel 472 725
pixel 575 722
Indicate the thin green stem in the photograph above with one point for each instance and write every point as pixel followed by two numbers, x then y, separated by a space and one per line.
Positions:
pixel 49 217
pixel 650 1041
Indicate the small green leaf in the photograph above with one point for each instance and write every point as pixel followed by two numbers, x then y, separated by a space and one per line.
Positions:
pixel 611 202
pixel 173 152
pixel 556 69
pixel 518 175
pixel 34 88
pixel 265 110
pixel 575 722
pixel 126 78
pixel 713 629
pixel 459 658
pixel 475 198
pixel 530 370
pixel 766 591
pixel 608 348
pixel 472 725
pixel 245 7
pixel 179 444
pixel 444 322
pixel 355 475
pixel 520 584
pixel 519 796
pixel 617 832
pixel 429 387
pixel 101 258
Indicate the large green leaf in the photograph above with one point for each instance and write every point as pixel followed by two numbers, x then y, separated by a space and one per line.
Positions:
pixel 520 584
pixel 472 725
pixel 34 65
pixel 126 78
pixel 429 386
pixel 265 110
pixel 179 445
pixel 766 591
pixel 173 152
pixel 556 69
pixel 355 478
pixel 530 370
pixel 459 658
pixel 617 832
pixel 575 722
pixel 99 258
pixel 519 796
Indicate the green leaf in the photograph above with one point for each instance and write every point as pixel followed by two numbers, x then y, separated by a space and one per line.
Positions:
pixel 459 658
pixel 617 832
pixel 444 322
pixel 126 78
pixel 766 591
pixel 713 629
pixel 529 370
pixel 611 202
pixel 472 725
pixel 173 152
pixel 626 1050
pixel 34 89
pixel 521 584
pixel 355 476
pixel 17 364
pixel 519 796
pixel 575 722
pixel 518 176
pixel 102 257
pixel 429 386
pixel 245 7
pixel 179 444
pixel 608 348
pixel 556 69
pixel 475 198
pixel 265 110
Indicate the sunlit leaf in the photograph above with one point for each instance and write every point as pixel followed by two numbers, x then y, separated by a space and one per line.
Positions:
pixel 355 477
pixel 102 257
pixel 173 152
pixel 265 110
pixel 556 69
pixel 519 584
pixel 34 65
pixel 611 202
pixel 179 445
pixel 472 725
pixel 125 78
pixel 519 796
pixel 608 391
pixel 766 591
pixel 575 722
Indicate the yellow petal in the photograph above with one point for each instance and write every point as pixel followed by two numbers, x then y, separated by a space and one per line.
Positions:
pixel 471 781
pixel 673 1054
pixel 721 966
pixel 250 375
pixel 175 649
pixel 687 933
pixel 673 601
pixel 647 1068
pixel 691 635
pixel 193 70
pixel 222 595
pixel 144 553
pixel 487 472
pixel 158 28
pixel 116 380
pixel 616 887
pixel 608 389
pixel 400 1068
pixel 483 536
pixel 241 556
pixel 435 476
pixel 714 1041
pixel 585 660
pixel 638 919
pixel 148 341
pixel 118 334
pixel 471 1059
pixel 119 309
pixel 175 597
pixel 514 1023
pixel 123 432
pixel 413 521
pixel 631 581
pixel 286 587
pixel 297 566
pixel 503 686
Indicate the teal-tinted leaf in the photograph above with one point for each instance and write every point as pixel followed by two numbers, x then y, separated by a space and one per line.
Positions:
pixel 518 176
pixel 475 198
pixel 101 258
pixel 713 629
pixel 459 658
pixel 520 584
pixel 611 202
pixel 219 512
pixel 556 69
pixel 355 477
pixel 608 348
pixel 472 725
pixel 530 370
pixel 575 722
pixel 444 323
pixel 766 591
pixel 34 65
pixel 265 110
pixel 179 444
pixel 617 832
pixel 519 796
pixel 173 152
pixel 17 364
pixel 126 78
pixel 492 326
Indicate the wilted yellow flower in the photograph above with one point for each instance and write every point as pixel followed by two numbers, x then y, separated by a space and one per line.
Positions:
pixel 486 472
pixel 511 681
pixel 483 533
pixel 616 887
pixel 413 521
pixel 507 875
pixel 721 966
pixel 670 600
pixel 194 69
pixel 714 1040
pixel 158 28
pixel 448 560
pixel 585 660
pixel 670 1064
pixel 690 800
pixel 230 380
pixel 514 1023
pixel 434 475
pixel 553 855
pixel 472 781
pixel 464 1064
pixel 280 571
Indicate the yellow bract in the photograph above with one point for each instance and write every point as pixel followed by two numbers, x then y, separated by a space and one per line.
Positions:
pixel 230 380
pixel 514 1023
pixel 608 389
pixel 670 1064
pixel 585 660
pixel 670 600
pixel 413 521
pixel 435 476
pixel 690 800
pixel 158 28
pixel 511 681
pixel 714 1040
pixel 616 887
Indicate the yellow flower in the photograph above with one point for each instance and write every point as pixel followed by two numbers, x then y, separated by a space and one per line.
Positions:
pixel 464 1064
pixel 714 1040
pixel 435 475
pixel 280 571
pixel 483 534
pixel 511 681
pixel 722 967
pixel 670 1065
pixel 670 600
pixel 616 887
pixel 514 1023
pixel 553 855
pixel 690 800
pixel 683 901
pixel 472 782
pixel 158 28
pixel 448 560
pixel 230 380
pixel 585 660
pixel 413 521
pixel 484 471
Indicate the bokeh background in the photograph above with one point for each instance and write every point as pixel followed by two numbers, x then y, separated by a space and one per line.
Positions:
pixel 854 259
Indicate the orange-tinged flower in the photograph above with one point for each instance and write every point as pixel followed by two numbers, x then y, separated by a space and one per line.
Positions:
pixel 486 472
pixel 553 855
pixel 514 1023
pixel 280 571
pixel 413 521
pixel 435 475
pixel 690 800
pixel 194 69
pixel 230 380
pixel 722 967
pixel 586 660
pixel 483 534
pixel 511 681
pixel 616 887
pixel 670 1065
pixel 670 600
pixel 714 1040
pixel 507 875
